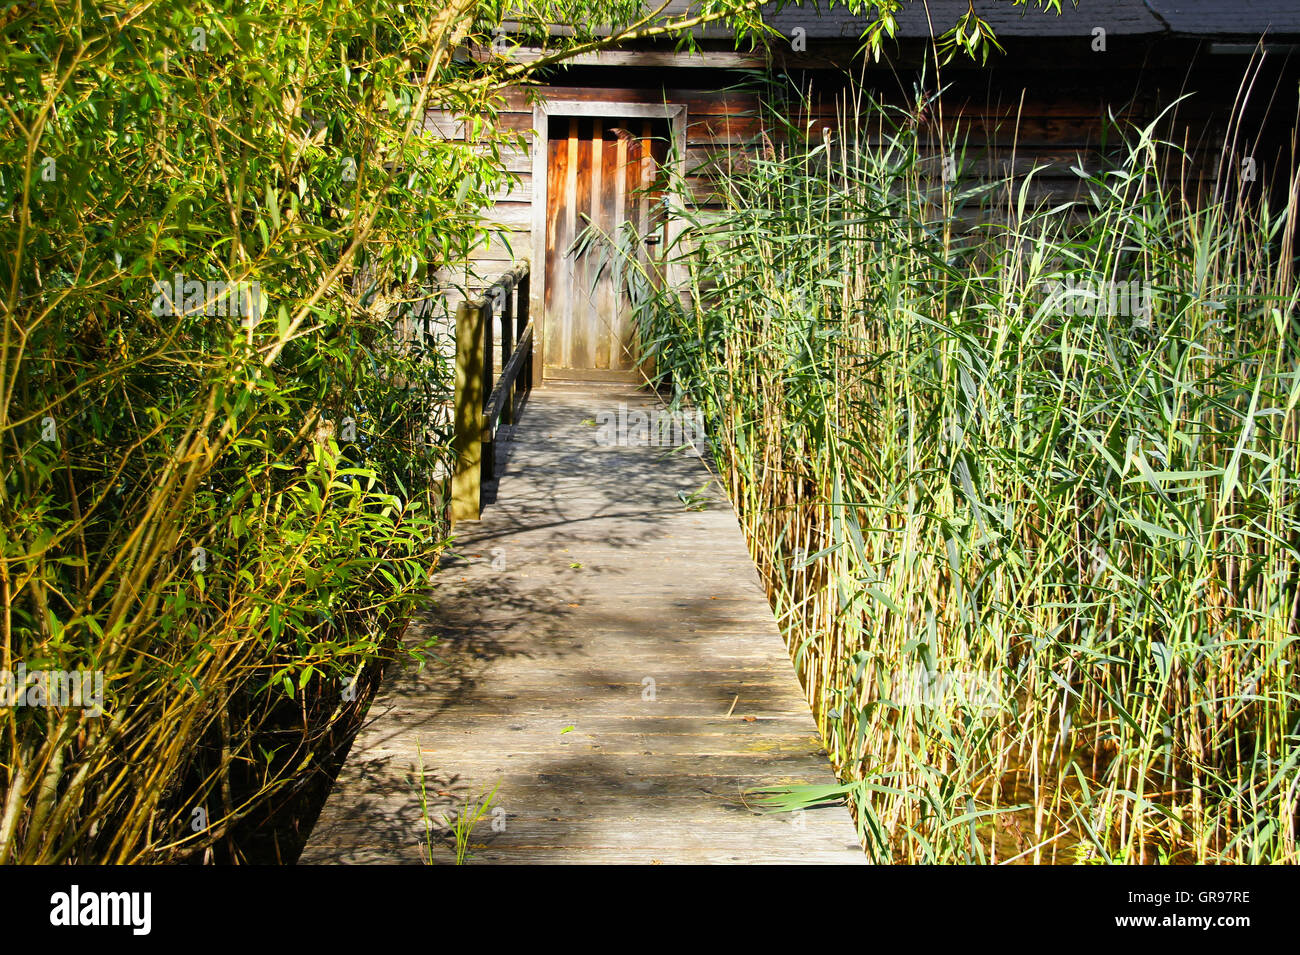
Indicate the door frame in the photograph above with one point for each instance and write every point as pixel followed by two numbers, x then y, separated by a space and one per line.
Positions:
pixel 543 111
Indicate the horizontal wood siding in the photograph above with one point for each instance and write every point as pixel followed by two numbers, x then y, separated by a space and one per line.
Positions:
pixel 1003 119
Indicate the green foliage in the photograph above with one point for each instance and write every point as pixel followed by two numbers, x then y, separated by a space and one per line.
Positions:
pixel 239 502
pixel 461 822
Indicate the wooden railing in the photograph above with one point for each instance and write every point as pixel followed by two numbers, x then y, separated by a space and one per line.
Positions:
pixel 484 401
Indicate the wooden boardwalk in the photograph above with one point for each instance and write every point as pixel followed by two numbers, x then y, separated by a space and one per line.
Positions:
pixel 608 661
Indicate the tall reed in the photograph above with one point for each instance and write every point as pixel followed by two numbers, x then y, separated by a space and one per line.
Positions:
pixel 1033 545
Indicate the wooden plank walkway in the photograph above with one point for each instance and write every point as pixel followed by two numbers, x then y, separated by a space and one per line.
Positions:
pixel 618 676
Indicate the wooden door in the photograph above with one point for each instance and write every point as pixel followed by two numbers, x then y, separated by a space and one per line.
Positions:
pixel 600 173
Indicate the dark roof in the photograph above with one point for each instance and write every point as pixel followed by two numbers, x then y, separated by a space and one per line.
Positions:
pixel 1118 17
pixel 1198 18
pixel 1229 17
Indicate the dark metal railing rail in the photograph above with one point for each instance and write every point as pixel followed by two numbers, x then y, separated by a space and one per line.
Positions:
pixel 483 401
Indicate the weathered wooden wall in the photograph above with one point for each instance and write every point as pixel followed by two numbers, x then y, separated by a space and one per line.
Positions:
pixel 1047 105
pixel 1048 113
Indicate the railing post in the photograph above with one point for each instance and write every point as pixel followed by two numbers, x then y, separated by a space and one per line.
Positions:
pixel 535 362
pixel 489 379
pixel 467 441
pixel 507 342
pixel 523 289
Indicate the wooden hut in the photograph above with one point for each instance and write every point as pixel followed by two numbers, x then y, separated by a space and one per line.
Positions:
pixel 598 129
